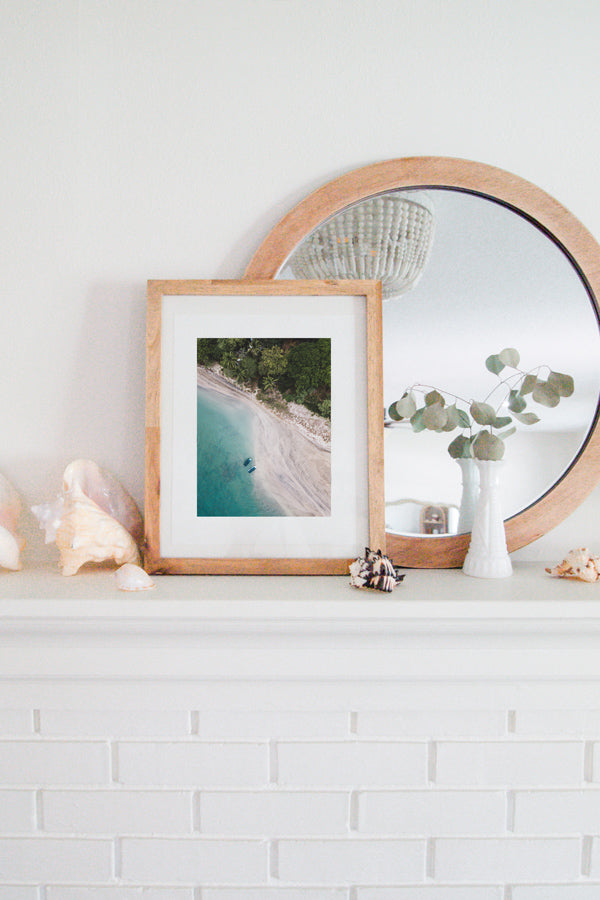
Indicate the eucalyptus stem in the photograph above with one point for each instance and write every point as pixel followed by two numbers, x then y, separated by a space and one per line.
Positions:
pixel 437 415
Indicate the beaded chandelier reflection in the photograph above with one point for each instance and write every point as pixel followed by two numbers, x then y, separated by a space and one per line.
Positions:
pixel 386 238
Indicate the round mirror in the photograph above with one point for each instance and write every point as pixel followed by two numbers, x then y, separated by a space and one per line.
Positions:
pixel 475 261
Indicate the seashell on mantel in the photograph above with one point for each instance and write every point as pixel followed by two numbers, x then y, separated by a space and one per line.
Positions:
pixel 94 520
pixel 133 578
pixel 11 542
pixel 578 563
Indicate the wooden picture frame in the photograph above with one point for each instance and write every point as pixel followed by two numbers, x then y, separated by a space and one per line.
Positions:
pixel 302 506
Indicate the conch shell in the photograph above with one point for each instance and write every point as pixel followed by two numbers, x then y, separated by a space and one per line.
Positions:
pixel 94 519
pixel 578 564
pixel 11 543
pixel 375 570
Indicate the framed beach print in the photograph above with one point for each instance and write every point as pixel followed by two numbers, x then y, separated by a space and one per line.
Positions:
pixel 264 426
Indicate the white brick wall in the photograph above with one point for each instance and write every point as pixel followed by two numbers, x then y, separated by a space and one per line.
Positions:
pixel 352 805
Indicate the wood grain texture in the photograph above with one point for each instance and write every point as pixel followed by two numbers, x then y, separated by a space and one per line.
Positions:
pixel 521 196
pixel 154 562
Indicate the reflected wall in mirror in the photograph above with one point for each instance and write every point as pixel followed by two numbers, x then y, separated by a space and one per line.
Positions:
pixel 508 267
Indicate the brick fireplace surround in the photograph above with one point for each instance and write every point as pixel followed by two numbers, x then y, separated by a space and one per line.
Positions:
pixel 295 739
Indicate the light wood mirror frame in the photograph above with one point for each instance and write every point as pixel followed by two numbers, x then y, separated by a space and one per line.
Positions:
pixel 523 198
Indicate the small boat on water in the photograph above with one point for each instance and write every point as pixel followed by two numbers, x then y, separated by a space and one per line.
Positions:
pixel 253 469
pixel 248 461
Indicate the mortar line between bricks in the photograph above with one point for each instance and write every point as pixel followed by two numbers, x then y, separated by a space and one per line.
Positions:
pixel 35 716
pixel 117 858
pixel 511 721
pixel 273 851
pixel 432 762
pixel 353 801
pixel 353 724
pixel 39 811
pixel 510 811
pixel 273 762
pixel 194 723
pixel 196 812
pixel 508 893
pixel 586 855
pixel 113 749
pixel 430 858
pixel 588 762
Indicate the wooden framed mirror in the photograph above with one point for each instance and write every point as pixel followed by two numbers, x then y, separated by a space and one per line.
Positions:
pixel 541 251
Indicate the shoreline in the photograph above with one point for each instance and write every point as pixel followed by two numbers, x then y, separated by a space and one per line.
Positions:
pixel 295 463
pixel 314 427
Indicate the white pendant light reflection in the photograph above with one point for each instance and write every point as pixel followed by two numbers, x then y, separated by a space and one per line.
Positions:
pixel 387 238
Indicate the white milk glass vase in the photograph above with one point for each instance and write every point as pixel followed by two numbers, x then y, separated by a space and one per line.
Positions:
pixel 488 555
pixel 469 495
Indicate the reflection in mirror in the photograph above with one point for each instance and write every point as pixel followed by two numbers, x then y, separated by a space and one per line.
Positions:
pixel 491 280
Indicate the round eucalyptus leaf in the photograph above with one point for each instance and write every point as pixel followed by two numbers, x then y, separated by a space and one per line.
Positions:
pixel 501 421
pixel 394 414
pixel 545 395
pixel 451 414
pixel 449 426
pixel 460 447
pixel 406 406
pixel 506 434
pixel 483 413
pixel 516 403
pixel 434 397
pixel 510 357
pixel 463 418
pixel 435 417
pixel 494 364
pixel 562 384
pixel 528 384
pixel 488 446
pixel 417 420
pixel 528 418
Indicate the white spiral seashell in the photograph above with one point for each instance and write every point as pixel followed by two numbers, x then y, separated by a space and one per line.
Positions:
pixel 132 578
pixel 11 543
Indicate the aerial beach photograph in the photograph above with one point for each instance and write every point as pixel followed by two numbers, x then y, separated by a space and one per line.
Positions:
pixel 263 427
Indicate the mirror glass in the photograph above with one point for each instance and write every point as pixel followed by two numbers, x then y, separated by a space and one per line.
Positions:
pixel 492 280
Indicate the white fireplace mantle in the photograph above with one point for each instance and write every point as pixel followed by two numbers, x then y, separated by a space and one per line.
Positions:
pixel 41 597
pixel 528 637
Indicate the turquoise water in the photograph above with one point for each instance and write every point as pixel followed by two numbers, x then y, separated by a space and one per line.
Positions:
pixel 224 441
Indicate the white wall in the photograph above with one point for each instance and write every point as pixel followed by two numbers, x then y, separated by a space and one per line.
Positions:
pixel 159 139
pixel 162 139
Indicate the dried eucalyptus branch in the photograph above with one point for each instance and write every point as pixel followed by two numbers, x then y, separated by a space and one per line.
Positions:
pixel 487 442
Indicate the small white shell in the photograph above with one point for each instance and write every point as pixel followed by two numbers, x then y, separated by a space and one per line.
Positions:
pixel 132 578
pixel 11 542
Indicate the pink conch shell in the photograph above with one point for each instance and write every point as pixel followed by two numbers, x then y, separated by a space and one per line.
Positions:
pixel 94 520
pixel 106 492
pixel 578 564
pixel 11 543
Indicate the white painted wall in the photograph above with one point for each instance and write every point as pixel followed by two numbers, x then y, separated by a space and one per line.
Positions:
pixel 153 139
pixel 163 138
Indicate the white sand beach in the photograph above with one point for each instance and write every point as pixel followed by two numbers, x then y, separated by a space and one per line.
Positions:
pixel 293 457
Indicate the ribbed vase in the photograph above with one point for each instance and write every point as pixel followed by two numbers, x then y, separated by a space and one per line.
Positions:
pixel 469 495
pixel 488 555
